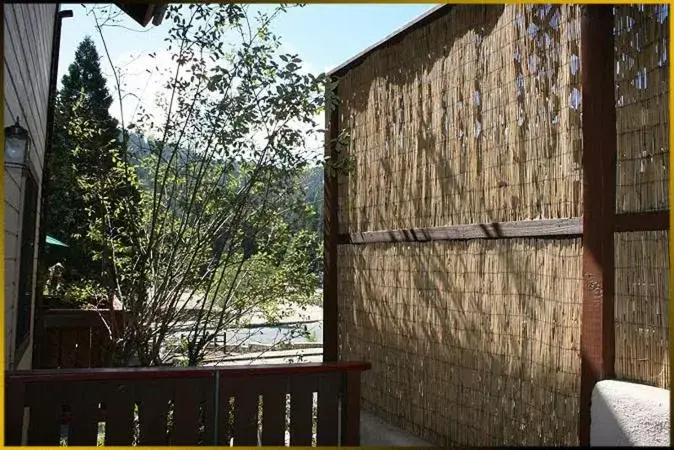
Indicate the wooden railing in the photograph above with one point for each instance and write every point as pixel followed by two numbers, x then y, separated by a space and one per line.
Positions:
pixel 75 338
pixel 258 405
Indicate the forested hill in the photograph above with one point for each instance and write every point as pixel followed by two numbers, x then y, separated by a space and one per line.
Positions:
pixel 312 179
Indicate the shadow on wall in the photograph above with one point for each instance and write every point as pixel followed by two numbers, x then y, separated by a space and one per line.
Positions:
pixel 466 351
pixel 466 120
pixel 472 343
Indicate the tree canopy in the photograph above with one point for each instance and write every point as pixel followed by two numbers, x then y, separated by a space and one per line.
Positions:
pixel 208 214
pixel 85 167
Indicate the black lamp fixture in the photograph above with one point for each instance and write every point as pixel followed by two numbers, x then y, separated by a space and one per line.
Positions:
pixel 16 146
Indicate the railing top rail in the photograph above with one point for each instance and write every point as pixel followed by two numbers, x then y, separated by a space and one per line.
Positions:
pixel 69 311
pixel 78 318
pixel 148 373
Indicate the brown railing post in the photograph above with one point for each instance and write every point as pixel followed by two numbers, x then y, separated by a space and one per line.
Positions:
pixel 350 433
pixel 599 191
pixel 331 232
pixel 14 399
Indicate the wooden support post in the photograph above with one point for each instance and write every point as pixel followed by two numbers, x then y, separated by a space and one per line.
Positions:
pixel 331 232
pixel 597 341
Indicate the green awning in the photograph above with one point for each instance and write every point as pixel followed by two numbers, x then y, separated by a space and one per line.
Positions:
pixel 53 241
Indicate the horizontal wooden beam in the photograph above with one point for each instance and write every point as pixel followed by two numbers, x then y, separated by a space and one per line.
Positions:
pixel 494 230
pixel 79 318
pixel 547 228
pixel 644 221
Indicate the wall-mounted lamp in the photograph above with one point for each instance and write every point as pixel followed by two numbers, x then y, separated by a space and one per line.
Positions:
pixel 16 146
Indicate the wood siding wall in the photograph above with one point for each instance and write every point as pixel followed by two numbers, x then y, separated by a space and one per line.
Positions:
pixel 28 40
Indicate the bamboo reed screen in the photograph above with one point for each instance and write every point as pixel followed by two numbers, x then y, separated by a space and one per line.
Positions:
pixel 642 259
pixel 642 107
pixel 642 307
pixel 473 118
pixel 471 343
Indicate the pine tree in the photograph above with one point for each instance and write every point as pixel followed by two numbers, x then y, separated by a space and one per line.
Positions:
pixel 85 167
pixel 85 94
pixel 84 77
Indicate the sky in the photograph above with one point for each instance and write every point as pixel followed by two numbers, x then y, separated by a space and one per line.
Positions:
pixel 324 36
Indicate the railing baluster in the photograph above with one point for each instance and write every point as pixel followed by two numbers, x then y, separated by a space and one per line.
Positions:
pixel 14 406
pixel 83 400
pixel 207 405
pixel 189 394
pixel 328 408
pixel 302 388
pixel 225 424
pixel 217 412
pixel 274 410
pixel 152 412
pixel 245 410
pixel 45 414
pixel 119 406
pixel 351 409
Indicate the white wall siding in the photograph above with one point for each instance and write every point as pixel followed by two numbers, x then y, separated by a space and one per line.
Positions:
pixel 28 35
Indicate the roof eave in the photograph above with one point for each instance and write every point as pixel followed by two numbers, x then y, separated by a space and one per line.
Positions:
pixel 143 13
